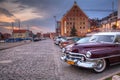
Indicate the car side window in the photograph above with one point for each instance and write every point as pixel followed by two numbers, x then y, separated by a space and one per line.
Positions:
pixel 117 39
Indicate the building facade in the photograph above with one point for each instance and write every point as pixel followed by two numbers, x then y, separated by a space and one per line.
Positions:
pixel 4 36
pixel 112 19
pixel 22 34
pixel 74 17
pixel 109 21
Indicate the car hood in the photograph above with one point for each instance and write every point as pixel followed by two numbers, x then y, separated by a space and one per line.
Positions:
pixel 83 48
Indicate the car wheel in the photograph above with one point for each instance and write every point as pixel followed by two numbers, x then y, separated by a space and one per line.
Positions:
pixel 100 65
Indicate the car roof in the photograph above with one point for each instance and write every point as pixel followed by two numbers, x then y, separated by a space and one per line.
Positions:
pixel 108 33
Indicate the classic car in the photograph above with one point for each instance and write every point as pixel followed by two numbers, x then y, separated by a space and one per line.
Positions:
pixel 103 50
pixel 69 41
pixel 81 41
pixel 58 40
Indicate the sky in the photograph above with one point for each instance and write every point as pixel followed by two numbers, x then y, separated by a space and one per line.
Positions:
pixel 38 15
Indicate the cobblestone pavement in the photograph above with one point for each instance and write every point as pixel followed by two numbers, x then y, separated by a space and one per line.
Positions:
pixel 41 61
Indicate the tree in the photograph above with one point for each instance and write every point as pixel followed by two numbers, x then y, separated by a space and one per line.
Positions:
pixel 114 27
pixel 73 31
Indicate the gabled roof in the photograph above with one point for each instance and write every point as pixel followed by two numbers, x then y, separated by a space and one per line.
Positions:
pixel 73 7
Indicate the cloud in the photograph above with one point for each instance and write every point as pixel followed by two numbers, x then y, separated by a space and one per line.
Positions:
pixel 43 29
pixel 27 14
pixel 4 23
pixel 7 29
pixel 10 28
pixel 4 18
pixel 2 1
pixel 45 8
pixel 21 11
pixel 5 12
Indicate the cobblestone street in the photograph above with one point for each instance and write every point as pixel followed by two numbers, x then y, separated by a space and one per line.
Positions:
pixel 41 61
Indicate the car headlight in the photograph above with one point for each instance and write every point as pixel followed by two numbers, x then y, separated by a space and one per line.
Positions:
pixel 88 54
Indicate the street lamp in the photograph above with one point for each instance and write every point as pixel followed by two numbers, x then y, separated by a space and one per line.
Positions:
pixel 55 23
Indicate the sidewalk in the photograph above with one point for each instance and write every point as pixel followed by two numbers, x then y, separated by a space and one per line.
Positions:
pixel 10 45
pixel 110 76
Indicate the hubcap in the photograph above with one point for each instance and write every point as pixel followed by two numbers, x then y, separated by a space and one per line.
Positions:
pixel 100 65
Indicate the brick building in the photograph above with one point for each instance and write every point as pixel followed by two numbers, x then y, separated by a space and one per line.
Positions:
pixel 77 18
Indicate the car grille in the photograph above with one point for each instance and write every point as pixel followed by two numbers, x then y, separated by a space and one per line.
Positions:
pixel 73 56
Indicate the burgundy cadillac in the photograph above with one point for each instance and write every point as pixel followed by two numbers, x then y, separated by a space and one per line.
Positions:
pixel 102 50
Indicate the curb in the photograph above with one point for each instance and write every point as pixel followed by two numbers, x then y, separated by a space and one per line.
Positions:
pixel 11 46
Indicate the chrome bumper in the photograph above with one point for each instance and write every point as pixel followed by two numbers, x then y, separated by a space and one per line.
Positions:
pixel 85 64
pixel 63 50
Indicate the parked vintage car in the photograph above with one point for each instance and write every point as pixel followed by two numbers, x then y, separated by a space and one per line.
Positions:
pixel 69 41
pixel 81 41
pixel 58 40
pixel 102 51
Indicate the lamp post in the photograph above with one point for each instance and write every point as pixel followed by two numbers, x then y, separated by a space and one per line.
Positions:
pixel 12 31
pixel 55 24
pixel 19 23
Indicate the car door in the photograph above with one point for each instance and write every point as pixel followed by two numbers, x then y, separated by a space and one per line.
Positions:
pixel 116 58
pixel 118 43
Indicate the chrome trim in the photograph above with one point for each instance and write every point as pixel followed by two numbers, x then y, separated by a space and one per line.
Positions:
pixel 89 59
pixel 75 57
pixel 85 64
pixel 63 50
pixel 71 53
pixel 114 63
pixel 103 57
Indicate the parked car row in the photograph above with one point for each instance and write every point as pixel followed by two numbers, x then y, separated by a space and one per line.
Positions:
pixel 96 52
pixel 23 39
pixel 14 40
pixel 69 40
pixel 69 47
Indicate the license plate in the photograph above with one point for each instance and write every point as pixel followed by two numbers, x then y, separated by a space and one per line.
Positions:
pixel 70 62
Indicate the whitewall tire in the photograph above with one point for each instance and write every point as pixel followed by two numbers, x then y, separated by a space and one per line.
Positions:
pixel 100 65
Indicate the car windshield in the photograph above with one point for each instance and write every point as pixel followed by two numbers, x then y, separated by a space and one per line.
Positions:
pixel 102 38
pixel 76 39
pixel 83 40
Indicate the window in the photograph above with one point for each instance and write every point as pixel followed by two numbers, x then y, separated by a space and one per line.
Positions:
pixel 83 22
pixel 73 18
pixel 117 40
pixel 80 23
pixel 84 27
pixel 102 38
pixel 67 23
pixel 67 18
